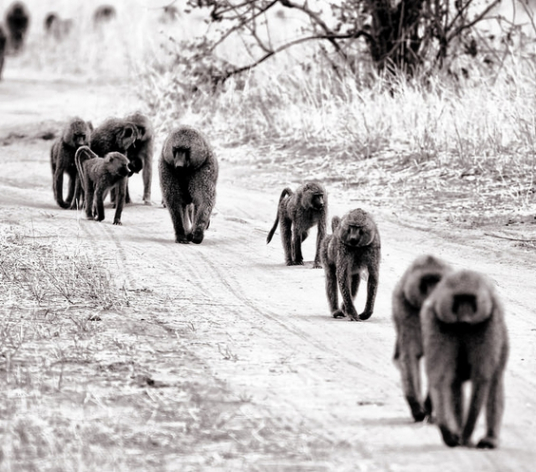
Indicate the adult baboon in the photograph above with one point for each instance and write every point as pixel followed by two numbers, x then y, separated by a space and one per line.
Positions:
pixel 188 176
pixel 296 215
pixel 104 14
pixel 98 175
pixel 140 154
pixel 113 135
pixel 465 339
pixel 17 20
pixel 77 133
pixel 354 246
pixel 414 287
pixel 3 45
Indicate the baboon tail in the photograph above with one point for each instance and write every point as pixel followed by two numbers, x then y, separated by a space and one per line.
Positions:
pixel 284 193
pixel 83 153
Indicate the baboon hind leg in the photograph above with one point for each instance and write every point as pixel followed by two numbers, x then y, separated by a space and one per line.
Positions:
pixel 297 258
pixel 286 240
pixel 331 291
pixel 372 288
pixel 408 363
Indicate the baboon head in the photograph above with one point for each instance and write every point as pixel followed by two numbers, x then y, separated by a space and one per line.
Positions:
pixel 464 297
pixel 117 164
pixel 314 196
pixel 77 133
pixel 185 147
pixel 143 125
pixel 426 272
pixel 356 229
pixel 126 135
pixel 335 222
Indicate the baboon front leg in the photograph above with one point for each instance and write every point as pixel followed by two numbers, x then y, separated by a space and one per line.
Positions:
pixel 372 288
pixel 147 174
pixel 58 188
pixel 286 240
pixel 442 399
pixel 319 237
pixel 201 218
pixel 479 391
pixel 494 412
pixel 331 291
pixel 411 381
pixel 121 188
pixel 343 277
pixel 72 186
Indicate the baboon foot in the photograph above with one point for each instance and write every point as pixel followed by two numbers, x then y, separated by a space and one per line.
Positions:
pixel 449 438
pixel 317 265
pixel 365 315
pixel 183 239
pixel 148 202
pixel 196 236
pixel 487 443
pixel 118 222
pixel 418 413
pixel 293 263
pixel 338 314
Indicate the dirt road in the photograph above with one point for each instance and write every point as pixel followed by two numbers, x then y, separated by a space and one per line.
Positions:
pixel 263 329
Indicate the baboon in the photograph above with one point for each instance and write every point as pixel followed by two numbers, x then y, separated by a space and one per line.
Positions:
pixel 3 44
pixel 17 20
pixel 114 135
pixel 75 134
pixel 56 27
pixel 414 287
pixel 104 14
pixel 188 176
pixel 465 339
pixel 297 214
pixel 354 246
pixel 140 154
pixel 98 175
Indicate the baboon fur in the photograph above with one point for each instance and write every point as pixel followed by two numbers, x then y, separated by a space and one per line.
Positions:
pixel 140 154
pixel 98 175
pixel 188 175
pixel 17 20
pixel 56 27
pixel 297 213
pixel 465 339
pixel 114 135
pixel 416 284
pixel 353 247
pixel 3 46
pixel 77 133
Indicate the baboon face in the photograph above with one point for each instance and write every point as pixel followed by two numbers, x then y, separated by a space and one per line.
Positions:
pixel 356 229
pixel 314 197
pixel 464 297
pixel 77 134
pixel 117 164
pixel 127 135
pixel 181 157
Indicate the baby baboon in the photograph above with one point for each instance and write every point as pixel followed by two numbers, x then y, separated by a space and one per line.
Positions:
pixel 465 339
pixel 98 175
pixel 140 154
pixel 188 176
pixel 354 246
pixel 297 214
pixel 17 20
pixel 75 134
pixel 3 45
pixel 414 287
pixel 104 14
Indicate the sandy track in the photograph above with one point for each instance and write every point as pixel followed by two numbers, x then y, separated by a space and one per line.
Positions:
pixel 264 329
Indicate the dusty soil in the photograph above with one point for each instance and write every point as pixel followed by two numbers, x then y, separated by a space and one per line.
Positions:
pixel 290 387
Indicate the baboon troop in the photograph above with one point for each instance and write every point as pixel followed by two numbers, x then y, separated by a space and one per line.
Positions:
pixel 353 247
pixel 17 20
pixel 62 159
pixel 98 175
pixel 188 175
pixel 465 340
pixel 414 287
pixel 140 153
pixel 297 213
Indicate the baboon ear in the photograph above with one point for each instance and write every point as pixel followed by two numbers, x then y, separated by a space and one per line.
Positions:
pixel 85 153
pixel 90 126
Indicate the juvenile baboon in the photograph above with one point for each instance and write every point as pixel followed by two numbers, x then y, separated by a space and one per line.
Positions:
pixel 140 154
pixel 465 339
pixel 354 246
pixel 98 175
pixel 75 134
pixel 104 14
pixel 3 45
pixel 297 213
pixel 17 20
pixel 414 287
pixel 56 27
pixel 188 176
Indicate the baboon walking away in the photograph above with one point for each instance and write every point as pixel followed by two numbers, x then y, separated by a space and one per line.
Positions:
pixel 297 213
pixel 188 175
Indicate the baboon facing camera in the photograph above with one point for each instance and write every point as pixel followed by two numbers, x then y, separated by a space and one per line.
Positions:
pixel 465 339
